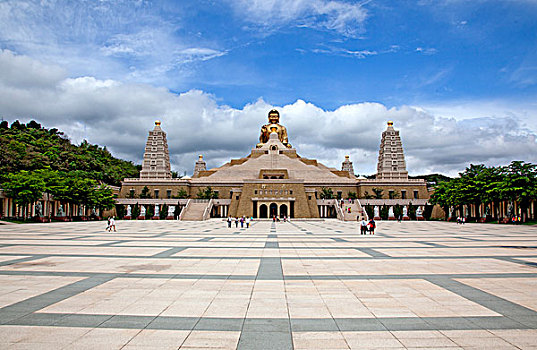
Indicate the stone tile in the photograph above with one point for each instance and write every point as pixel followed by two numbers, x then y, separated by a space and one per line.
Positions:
pixel 212 339
pixel 198 285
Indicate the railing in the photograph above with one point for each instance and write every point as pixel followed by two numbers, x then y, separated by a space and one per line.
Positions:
pixel 207 211
pixel 362 209
pixel 182 214
pixel 339 212
pixel 196 200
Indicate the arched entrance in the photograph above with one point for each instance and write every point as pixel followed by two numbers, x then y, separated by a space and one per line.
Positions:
pixel 283 210
pixel 273 209
pixel 263 211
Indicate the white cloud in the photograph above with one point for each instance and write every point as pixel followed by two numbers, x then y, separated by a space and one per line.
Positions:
pixel 337 51
pixel 339 16
pixel 119 115
pixel 121 39
pixel 427 50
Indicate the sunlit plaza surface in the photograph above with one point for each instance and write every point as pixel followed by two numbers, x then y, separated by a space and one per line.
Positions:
pixel 301 285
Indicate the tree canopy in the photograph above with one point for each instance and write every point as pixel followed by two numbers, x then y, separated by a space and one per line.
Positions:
pixel 479 184
pixel 32 147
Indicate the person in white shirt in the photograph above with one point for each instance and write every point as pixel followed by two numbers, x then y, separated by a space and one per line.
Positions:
pixel 363 227
pixel 112 224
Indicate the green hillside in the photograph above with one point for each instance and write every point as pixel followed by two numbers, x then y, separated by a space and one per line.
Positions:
pixel 31 147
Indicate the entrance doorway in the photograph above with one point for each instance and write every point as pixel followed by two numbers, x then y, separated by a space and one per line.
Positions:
pixel 263 211
pixel 273 210
pixel 283 210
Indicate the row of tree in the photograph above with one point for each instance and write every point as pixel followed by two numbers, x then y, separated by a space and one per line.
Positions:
pixel 27 187
pixel 515 183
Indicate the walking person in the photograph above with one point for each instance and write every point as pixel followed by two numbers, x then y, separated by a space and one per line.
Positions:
pixel 229 221
pixel 242 222
pixel 372 227
pixel 247 222
pixel 363 227
pixel 112 224
pixel 236 222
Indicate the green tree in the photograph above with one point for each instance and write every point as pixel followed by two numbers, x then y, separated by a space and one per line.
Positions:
pixel 378 192
pixel 177 211
pixel 207 193
pixel 181 194
pixel 103 198
pixel 520 184
pixel 368 196
pixel 82 191
pixel 25 188
pixel 135 211
pixel 326 193
pixel 120 211
pixel 370 211
pixel 471 184
pixel 411 211
pixel 149 212
pixel 352 195
pixel 163 214
pixel 398 210
pixel 427 212
pixel 384 212
pixel 31 147
pixel 145 193
pixel 445 195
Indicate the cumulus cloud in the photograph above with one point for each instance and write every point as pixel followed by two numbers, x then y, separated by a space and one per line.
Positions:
pixel 339 16
pixel 119 115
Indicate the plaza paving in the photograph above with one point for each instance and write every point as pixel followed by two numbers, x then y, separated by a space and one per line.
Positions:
pixel 301 285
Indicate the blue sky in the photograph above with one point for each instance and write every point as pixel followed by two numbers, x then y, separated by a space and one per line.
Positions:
pixel 470 62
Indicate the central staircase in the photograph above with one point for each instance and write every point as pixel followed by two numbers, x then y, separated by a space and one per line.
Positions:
pixel 195 210
pixel 356 210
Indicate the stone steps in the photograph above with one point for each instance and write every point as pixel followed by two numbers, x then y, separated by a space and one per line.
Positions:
pixel 194 212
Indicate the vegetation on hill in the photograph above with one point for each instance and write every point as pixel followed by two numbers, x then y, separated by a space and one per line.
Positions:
pixel 31 147
pixel 35 160
pixel 432 178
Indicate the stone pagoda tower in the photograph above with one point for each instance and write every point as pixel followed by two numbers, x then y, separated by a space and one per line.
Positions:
pixel 200 166
pixel 391 162
pixel 347 166
pixel 156 164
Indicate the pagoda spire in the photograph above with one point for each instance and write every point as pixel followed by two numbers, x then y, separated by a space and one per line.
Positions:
pixel 156 163
pixel 347 166
pixel 200 166
pixel 391 161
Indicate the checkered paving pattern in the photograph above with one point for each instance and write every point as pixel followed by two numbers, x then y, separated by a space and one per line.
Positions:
pixel 293 285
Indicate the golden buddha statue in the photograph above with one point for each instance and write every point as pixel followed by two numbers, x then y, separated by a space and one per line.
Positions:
pixel 273 126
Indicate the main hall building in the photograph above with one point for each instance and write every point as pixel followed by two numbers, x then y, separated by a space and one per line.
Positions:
pixel 273 180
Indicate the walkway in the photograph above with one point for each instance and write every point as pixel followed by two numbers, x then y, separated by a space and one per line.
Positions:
pixel 298 285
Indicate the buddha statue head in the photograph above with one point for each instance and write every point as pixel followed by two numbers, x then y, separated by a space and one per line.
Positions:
pixel 274 116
